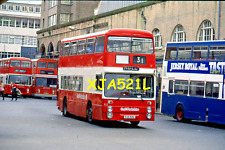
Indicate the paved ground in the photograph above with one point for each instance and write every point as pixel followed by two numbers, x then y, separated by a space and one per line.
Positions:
pixel 30 124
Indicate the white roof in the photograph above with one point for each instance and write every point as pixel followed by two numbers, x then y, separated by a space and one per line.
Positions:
pixel 86 35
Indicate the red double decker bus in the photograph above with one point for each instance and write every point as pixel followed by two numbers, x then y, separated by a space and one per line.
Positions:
pixel 108 75
pixel 44 78
pixel 16 70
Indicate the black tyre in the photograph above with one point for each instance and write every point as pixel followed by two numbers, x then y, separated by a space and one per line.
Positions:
pixel 65 113
pixel 134 123
pixel 180 113
pixel 89 112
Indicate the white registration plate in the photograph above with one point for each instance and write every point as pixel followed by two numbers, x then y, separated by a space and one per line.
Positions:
pixel 129 117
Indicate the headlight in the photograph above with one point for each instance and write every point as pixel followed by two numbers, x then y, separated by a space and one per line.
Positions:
pixel 110 109
pixel 109 115
pixel 28 90
pixel 149 103
pixel 149 109
pixel 148 116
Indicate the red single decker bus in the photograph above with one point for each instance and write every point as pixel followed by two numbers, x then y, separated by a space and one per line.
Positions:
pixel 108 75
pixel 44 78
pixel 16 70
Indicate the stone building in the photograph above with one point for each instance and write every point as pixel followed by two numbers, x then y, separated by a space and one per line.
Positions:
pixel 169 21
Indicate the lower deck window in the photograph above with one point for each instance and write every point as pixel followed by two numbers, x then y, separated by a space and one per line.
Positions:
pixel 181 87
pixel 197 88
pixel 212 89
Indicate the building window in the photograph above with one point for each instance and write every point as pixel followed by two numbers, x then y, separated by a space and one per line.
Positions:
pixel 206 31
pixel 52 3
pixel 37 24
pixel 17 8
pixel 66 2
pixel 31 23
pixel 52 20
pixel 64 18
pixel 18 22
pixel 6 21
pixel 38 9
pixel 10 7
pixel 12 22
pixel 25 23
pixel 157 38
pixel 3 7
pixel 24 8
pixel 18 39
pixel 30 9
pixel 178 34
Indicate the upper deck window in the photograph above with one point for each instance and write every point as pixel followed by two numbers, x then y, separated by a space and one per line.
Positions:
pixel 52 65
pixel 100 44
pixel 184 53
pixel 42 64
pixel 171 53
pixel 90 46
pixel 73 48
pixel 65 49
pixel 25 64
pixel 200 53
pixel 217 53
pixel 15 63
pixel 81 47
pixel 130 45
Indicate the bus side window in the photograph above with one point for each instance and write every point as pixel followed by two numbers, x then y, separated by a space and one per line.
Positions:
pixel 65 49
pixel 90 46
pixel 79 83
pixel 217 53
pixel 200 53
pixel 100 43
pixel 81 47
pixel 196 88
pixel 212 89
pixel 181 87
pixel 171 53
pixel 73 48
pixel 184 53
pixel 170 86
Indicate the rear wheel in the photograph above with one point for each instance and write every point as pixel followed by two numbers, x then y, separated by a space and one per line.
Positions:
pixel 65 113
pixel 134 123
pixel 89 112
pixel 180 113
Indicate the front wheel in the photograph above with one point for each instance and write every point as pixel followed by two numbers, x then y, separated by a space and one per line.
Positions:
pixel 180 113
pixel 134 123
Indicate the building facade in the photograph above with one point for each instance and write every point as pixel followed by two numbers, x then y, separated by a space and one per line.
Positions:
pixel 169 21
pixel 56 12
pixel 19 23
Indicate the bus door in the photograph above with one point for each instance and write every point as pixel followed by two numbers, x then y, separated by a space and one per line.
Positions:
pixel 214 107
pixel 168 98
